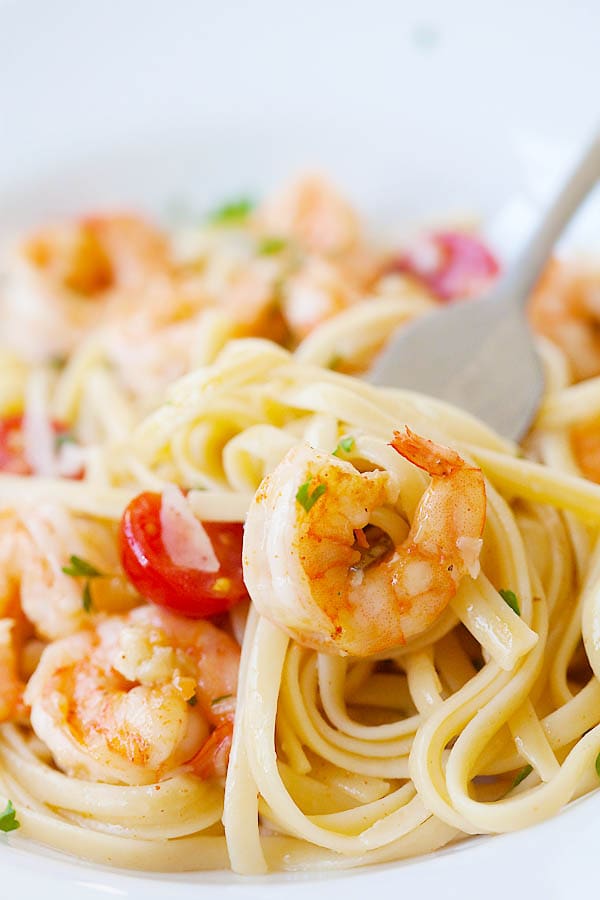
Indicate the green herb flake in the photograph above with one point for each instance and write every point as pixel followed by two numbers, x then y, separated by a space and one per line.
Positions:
pixel 335 362
pixel 66 437
pixel 269 246
pixel 235 212
pixel 522 775
pixel 57 362
pixel 510 598
pixel 305 498
pixel 8 819
pixel 192 701
pixel 86 598
pixel 346 445
pixel 598 765
pixel 79 567
pixel 220 699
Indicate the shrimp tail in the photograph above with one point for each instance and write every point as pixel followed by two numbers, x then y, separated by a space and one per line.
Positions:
pixel 212 758
pixel 425 454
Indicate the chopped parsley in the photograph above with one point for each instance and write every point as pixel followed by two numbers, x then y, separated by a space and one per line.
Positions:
pixel 192 701
pixel 269 246
pixel 8 819
pixel 598 765
pixel 216 700
pixel 86 598
pixel 335 362
pixel 305 498
pixel 235 212
pixel 78 568
pixel 510 598
pixel 346 445
pixel 65 437
pixel 521 776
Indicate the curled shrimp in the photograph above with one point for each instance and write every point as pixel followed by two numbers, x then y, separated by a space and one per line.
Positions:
pixel 304 546
pixel 311 212
pixel 98 254
pixel 35 545
pixel 136 698
pixel 565 307
pixel 69 278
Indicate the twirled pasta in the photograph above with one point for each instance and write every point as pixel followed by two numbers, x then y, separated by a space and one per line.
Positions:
pixel 487 722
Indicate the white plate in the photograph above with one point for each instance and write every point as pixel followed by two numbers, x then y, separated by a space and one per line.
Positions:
pixel 417 109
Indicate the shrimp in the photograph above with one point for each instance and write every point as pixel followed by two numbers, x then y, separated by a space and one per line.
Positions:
pixel 100 253
pixel 35 545
pixel 585 443
pixel 11 686
pixel 134 699
pixel 318 291
pixel 333 267
pixel 565 307
pixel 311 212
pixel 68 279
pixel 302 558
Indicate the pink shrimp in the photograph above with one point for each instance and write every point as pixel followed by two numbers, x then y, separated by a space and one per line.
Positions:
pixel 306 570
pixel 136 698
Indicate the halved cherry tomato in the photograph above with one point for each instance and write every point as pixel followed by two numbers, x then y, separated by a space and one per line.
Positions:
pixel 190 592
pixel 453 265
pixel 12 445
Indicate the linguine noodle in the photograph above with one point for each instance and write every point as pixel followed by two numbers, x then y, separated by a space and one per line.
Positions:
pixel 485 722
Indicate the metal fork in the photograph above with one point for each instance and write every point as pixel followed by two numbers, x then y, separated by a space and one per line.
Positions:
pixel 480 355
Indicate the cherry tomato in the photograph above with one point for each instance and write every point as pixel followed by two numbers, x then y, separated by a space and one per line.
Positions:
pixel 12 445
pixel 190 592
pixel 453 265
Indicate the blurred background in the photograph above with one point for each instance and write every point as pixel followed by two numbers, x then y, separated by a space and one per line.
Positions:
pixel 413 107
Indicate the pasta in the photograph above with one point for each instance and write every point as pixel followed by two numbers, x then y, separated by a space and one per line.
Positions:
pixel 485 720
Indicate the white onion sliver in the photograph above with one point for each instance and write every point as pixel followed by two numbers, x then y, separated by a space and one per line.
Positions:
pixel 183 535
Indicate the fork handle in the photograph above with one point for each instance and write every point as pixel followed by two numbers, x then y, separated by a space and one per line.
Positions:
pixel 530 264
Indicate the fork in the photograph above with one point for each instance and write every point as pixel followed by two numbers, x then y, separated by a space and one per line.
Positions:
pixel 480 355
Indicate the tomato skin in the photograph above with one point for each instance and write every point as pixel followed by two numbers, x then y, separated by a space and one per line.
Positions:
pixel 452 264
pixel 12 449
pixel 189 592
pixel 12 456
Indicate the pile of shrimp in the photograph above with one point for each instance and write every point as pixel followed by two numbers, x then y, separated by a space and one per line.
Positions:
pixel 119 692
pixel 122 691
pixel 155 302
pixel 277 270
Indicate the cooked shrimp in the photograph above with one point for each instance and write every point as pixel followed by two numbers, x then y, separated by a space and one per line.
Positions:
pixel 311 212
pixel 11 686
pixel 303 564
pixel 35 545
pixel 314 294
pixel 99 253
pixel 566 308
pixel 134 699
pixel 585 442
pixel 70 278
